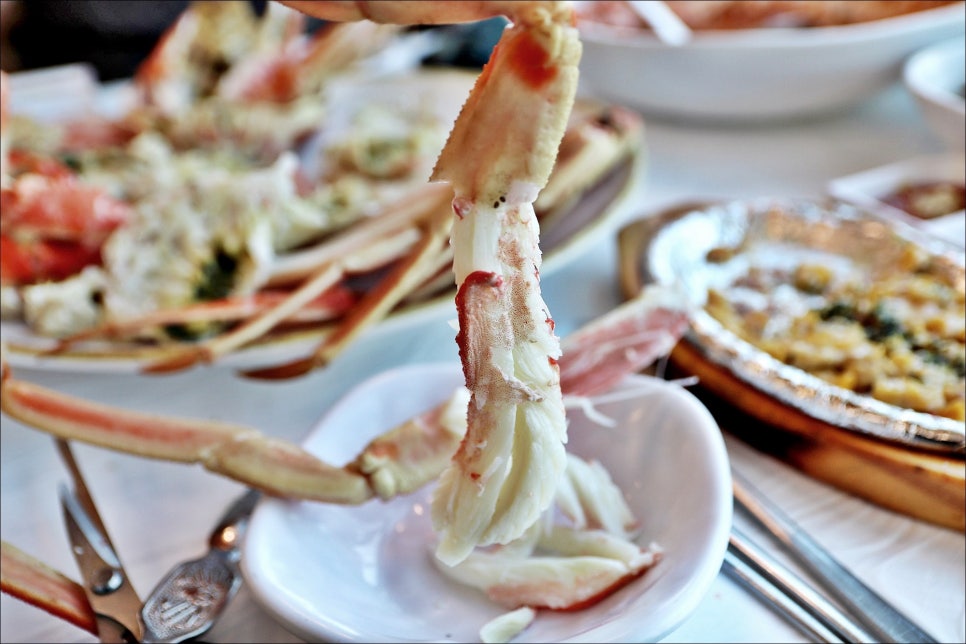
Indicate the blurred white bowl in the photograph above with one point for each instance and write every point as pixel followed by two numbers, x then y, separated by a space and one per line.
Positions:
pixel 755 74
pixel 936 77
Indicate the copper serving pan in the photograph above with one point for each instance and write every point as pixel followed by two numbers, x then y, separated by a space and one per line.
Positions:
pixel 908 461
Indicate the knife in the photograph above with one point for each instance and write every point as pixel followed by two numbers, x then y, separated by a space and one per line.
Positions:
pixel 108 589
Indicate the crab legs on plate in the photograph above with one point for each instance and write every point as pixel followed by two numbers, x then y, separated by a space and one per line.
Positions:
pixel 499 155
pixel 407 457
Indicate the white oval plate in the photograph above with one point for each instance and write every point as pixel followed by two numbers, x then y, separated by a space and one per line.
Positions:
pixel 365 574
pixel 566 232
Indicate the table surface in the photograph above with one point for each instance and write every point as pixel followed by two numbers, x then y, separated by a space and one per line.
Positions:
pixel 160 513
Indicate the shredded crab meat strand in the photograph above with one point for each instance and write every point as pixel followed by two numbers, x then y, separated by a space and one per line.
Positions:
pixel 503 628
pixel 588 404
pixel 602 502
pixel 558 566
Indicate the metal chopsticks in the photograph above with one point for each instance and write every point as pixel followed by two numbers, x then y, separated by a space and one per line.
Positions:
pixel 826 615
pixel 785 605
pixel 883 621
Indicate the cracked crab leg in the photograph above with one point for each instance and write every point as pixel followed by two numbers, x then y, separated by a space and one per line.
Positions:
pixel 505 472
pixel 242 453
pixel 499 155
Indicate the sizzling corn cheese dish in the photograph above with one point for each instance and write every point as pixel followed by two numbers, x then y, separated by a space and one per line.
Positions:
pixel 899 339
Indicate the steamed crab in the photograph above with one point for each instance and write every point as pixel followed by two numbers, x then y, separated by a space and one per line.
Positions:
pixel 406 458
pixel 207 249
pixel 502 469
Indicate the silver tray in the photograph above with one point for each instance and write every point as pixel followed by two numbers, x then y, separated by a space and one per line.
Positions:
pixel 775 232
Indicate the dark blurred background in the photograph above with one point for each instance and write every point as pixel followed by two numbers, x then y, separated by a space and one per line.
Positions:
pixel 116 35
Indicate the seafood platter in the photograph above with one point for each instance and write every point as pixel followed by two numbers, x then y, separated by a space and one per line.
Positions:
pixel 258 199
pixel 209 205
pixel 838 332
pixel 214 214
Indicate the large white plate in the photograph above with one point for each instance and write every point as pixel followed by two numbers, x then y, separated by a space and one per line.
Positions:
pixel 566 231
pixel 364 574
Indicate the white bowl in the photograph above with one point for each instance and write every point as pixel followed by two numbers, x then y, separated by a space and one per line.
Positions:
pixel 935 76
pixel 365 574
pixel 756 74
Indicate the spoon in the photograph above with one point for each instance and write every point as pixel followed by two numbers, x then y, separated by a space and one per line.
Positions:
pixel 666 24
pixel 186 603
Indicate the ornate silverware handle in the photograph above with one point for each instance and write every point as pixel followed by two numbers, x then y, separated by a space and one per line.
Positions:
pixel 881 618
pixel 190 598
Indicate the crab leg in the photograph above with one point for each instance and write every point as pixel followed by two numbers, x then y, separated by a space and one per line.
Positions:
pixel 633 334
pixel 506 470
pixel 499 155
pixel 242 453
pixel 32 581
pixel 405 276
pixel 397 462
pixel 334 259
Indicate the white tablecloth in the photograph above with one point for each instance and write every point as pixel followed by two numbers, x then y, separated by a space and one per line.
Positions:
pixel 160 513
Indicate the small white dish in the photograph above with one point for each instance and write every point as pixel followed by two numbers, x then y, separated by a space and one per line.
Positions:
pixel 936 77
pixel 869 187
pixel 365 574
